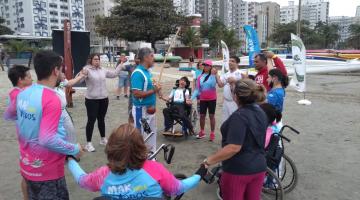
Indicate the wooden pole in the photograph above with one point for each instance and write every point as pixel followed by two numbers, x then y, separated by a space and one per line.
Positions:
pixel 298 31
pixel 68 62
pixel 168 52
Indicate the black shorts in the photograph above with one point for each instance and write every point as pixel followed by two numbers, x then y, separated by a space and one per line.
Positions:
pixel 205 105
pixel 47 190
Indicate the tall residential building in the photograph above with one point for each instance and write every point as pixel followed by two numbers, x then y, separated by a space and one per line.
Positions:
pixel 209 9
pixel 39 17
pixel 344 23
pixel 268 17
pixel 95 8
pixel 226 12
pixel 262 16
pixel 186 7
pixel 289 13
pixel 315 11
pixel 357 11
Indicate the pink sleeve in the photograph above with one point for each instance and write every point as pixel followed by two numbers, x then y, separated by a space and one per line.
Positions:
pixel 94 180
pixel 280 65
pixel 169 184
pixel 48 132
pixel 10 111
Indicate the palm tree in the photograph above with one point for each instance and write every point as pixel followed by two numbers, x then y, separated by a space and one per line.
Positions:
pixel 231 40
pixel 190 37
pixel 18 46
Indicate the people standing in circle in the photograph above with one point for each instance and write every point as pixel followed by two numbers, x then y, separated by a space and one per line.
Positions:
pixel 243 139
pixel 277 82
pixel 261 65
pixel 227 81
pixel 41 135
pixel 206 92
pixel 96 97
pixel 144 91
pixel 123 79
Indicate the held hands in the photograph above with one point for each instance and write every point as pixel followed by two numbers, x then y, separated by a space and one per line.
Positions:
pixel 202 171
pixel 188 101
pixel 81 152
pixel 214 71
pixel 269 54
pixel 123 59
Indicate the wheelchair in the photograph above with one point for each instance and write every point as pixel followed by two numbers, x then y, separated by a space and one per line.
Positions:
pixel 181 114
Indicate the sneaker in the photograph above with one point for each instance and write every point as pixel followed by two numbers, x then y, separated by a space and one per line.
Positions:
pixel 89 147
pixel 117 97
pixel 201 135
pixel 103 141
pixel 212 136
pixel 126 96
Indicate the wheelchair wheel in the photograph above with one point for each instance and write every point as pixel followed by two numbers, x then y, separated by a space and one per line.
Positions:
pixel 272 187
pixel 287 173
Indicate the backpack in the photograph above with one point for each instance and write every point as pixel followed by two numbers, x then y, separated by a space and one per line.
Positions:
pixel 273 152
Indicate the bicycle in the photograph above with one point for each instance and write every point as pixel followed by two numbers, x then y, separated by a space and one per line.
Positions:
pixel 286 170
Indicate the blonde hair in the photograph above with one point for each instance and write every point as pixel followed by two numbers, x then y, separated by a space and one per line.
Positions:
pixel 248 92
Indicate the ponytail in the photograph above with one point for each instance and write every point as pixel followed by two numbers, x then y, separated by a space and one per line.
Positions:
pixel 248 92
pixel 285 81
pixel 260 93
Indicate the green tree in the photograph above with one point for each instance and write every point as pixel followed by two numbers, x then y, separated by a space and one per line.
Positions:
pixel 144 20
pixel 4 30
pixel 190 37
pixel 328 33
pixel 354 39
pixel 216 33
pixel 231 40
pixel 18 46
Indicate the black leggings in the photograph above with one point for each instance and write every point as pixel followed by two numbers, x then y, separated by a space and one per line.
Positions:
pixel 96 109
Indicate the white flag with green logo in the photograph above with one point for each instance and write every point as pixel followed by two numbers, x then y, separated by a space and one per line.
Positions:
pixel 299 57
pixel 225 54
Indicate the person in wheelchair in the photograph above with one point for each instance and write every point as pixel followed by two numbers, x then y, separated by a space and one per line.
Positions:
pixel 128 174
pixel 179 107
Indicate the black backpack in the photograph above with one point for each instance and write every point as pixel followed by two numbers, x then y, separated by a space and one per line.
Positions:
pixel 274 152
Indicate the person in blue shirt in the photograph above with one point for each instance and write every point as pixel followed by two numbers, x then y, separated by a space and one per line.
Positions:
pixel 144 91
pixel 277 82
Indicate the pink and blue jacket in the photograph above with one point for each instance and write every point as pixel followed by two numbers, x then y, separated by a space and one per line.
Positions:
pixel 41 134
pixel 10 111
pixel 205 91
pixel 153 180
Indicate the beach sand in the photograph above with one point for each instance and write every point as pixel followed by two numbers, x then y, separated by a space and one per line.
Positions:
pixel 326 152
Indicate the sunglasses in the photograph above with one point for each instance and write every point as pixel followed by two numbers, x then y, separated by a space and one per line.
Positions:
pixel 207 65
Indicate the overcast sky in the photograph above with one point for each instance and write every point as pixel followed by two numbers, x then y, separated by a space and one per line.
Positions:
pixel 337 7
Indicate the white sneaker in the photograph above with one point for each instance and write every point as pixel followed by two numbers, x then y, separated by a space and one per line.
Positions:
pixel 103 141
pixel 89 147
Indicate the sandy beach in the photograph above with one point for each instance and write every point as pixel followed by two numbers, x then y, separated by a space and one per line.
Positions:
pixel 326 152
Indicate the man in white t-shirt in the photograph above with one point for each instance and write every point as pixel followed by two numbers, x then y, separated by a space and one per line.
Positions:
pixel 227 80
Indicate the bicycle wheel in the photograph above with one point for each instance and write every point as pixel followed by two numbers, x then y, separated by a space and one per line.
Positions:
pixel 287 172
pixel 272 187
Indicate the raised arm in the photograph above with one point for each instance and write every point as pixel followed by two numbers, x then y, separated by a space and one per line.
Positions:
pixel 48 132
pixel 114 73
